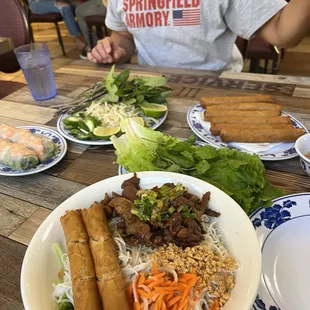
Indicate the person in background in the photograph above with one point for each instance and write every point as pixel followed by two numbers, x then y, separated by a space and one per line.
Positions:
pixel 197 34
pixel 84 9
pixel 67 11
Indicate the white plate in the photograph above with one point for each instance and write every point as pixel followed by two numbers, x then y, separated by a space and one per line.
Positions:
pixel 284 236
pixel 61 149
pixel 66 133
pixel 280 151
pixel 40 266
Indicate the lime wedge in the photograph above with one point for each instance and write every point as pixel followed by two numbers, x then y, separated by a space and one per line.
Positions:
pixel 153 109
pixel 106 133
pixel 125 122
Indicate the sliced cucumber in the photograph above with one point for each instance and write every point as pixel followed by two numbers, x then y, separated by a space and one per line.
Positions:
pixel 83 136
pixel 75 131
pixel 83 126
pixel 71 120
pixel 90 123
pixel 78 114
pixel 68 127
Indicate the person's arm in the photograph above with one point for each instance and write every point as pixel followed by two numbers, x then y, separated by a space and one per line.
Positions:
pixel 124 40
pixel 118 48
pixel 288 27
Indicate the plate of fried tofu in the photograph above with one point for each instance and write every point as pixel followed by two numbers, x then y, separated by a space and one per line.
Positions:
pixel 253 124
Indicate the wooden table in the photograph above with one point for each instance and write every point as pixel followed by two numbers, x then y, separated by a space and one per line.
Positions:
pixel 6 45
pixel 27 201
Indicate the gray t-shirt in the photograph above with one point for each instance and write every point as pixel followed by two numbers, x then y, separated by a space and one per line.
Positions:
pixel 196 34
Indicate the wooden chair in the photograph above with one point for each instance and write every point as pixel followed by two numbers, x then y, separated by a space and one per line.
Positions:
pixel 258 49
pixel 16 28
pixel 97 21
pixel 53 18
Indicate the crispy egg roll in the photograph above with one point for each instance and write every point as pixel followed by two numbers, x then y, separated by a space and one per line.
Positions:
pixel 84 283
pixel 85 294
pixel 208 115
pixel 217 127
pixel 252 119
pixel 206 101
pixel 81 261
pixel 256 106
pixel 74 227
pixel 261 135
pixel 110 281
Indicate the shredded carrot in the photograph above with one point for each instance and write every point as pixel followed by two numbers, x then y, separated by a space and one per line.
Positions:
pixel 162 292
pixel 136 306
pixel 129 292
pixel 143 294
pixel 155 283
pixel 173 301
pixel 141 279
pixel 154 269
pixel 216 305
pixel 168 297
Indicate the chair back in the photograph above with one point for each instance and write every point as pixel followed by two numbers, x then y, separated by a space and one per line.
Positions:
pixel 14 22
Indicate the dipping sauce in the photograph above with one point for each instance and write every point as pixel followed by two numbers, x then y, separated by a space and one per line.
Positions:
pixel 308 155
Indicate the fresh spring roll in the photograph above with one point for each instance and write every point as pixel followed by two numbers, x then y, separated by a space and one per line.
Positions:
pixel 83 276
pixel 206 101
pixel 217 127
pixel 261 135
pixel 110 280
pixel 43 146
pixel 256 106
pixel 251 119
pixel 17 156
pixel 208 115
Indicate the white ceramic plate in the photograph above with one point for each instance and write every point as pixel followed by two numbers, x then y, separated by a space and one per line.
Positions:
pixel 284 236
pixel 66 133
pixel 61 149
pixel 280 151
pixel 40 266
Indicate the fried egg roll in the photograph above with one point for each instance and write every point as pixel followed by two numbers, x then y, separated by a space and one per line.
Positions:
pixel 83 276
pixel 110 280
pixel 251 119
pixel 217 127
pixel 206 101
pixel 17 156
pixel 44 147
pixel 258 106
pixel 208 115
pixel 261 135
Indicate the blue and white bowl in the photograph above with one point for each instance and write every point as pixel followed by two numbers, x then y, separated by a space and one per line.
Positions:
pixel 302 147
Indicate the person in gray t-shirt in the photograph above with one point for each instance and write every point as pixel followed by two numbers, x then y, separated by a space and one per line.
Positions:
pixel 197 34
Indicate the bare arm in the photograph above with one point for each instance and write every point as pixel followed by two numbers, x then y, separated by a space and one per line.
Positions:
pixel 288 27
pixel 125 41
pixel 118 48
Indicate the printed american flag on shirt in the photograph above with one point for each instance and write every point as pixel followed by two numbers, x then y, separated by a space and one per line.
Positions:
pixel 186 17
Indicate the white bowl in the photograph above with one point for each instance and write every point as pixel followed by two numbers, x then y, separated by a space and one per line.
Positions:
pixel 302 147
pixel 40 266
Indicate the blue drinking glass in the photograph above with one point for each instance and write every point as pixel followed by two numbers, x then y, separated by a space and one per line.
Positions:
pixel 34 60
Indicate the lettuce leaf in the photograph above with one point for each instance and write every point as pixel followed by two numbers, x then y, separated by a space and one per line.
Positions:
pixel 240 175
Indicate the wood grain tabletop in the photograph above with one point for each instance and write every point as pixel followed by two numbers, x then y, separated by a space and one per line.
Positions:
pixel 26 201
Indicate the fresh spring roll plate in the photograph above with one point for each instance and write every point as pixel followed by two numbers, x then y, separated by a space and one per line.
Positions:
pixel 60 151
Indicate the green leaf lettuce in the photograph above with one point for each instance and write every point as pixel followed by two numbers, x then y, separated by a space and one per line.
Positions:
pixel 240 175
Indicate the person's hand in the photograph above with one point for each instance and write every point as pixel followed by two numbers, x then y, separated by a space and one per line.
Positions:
pixel 61 4
pixel 107 51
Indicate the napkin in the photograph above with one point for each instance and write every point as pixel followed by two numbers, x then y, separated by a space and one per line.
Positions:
pixel 250 147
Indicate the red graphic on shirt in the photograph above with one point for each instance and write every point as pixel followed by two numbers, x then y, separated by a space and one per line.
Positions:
pixel 156 13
